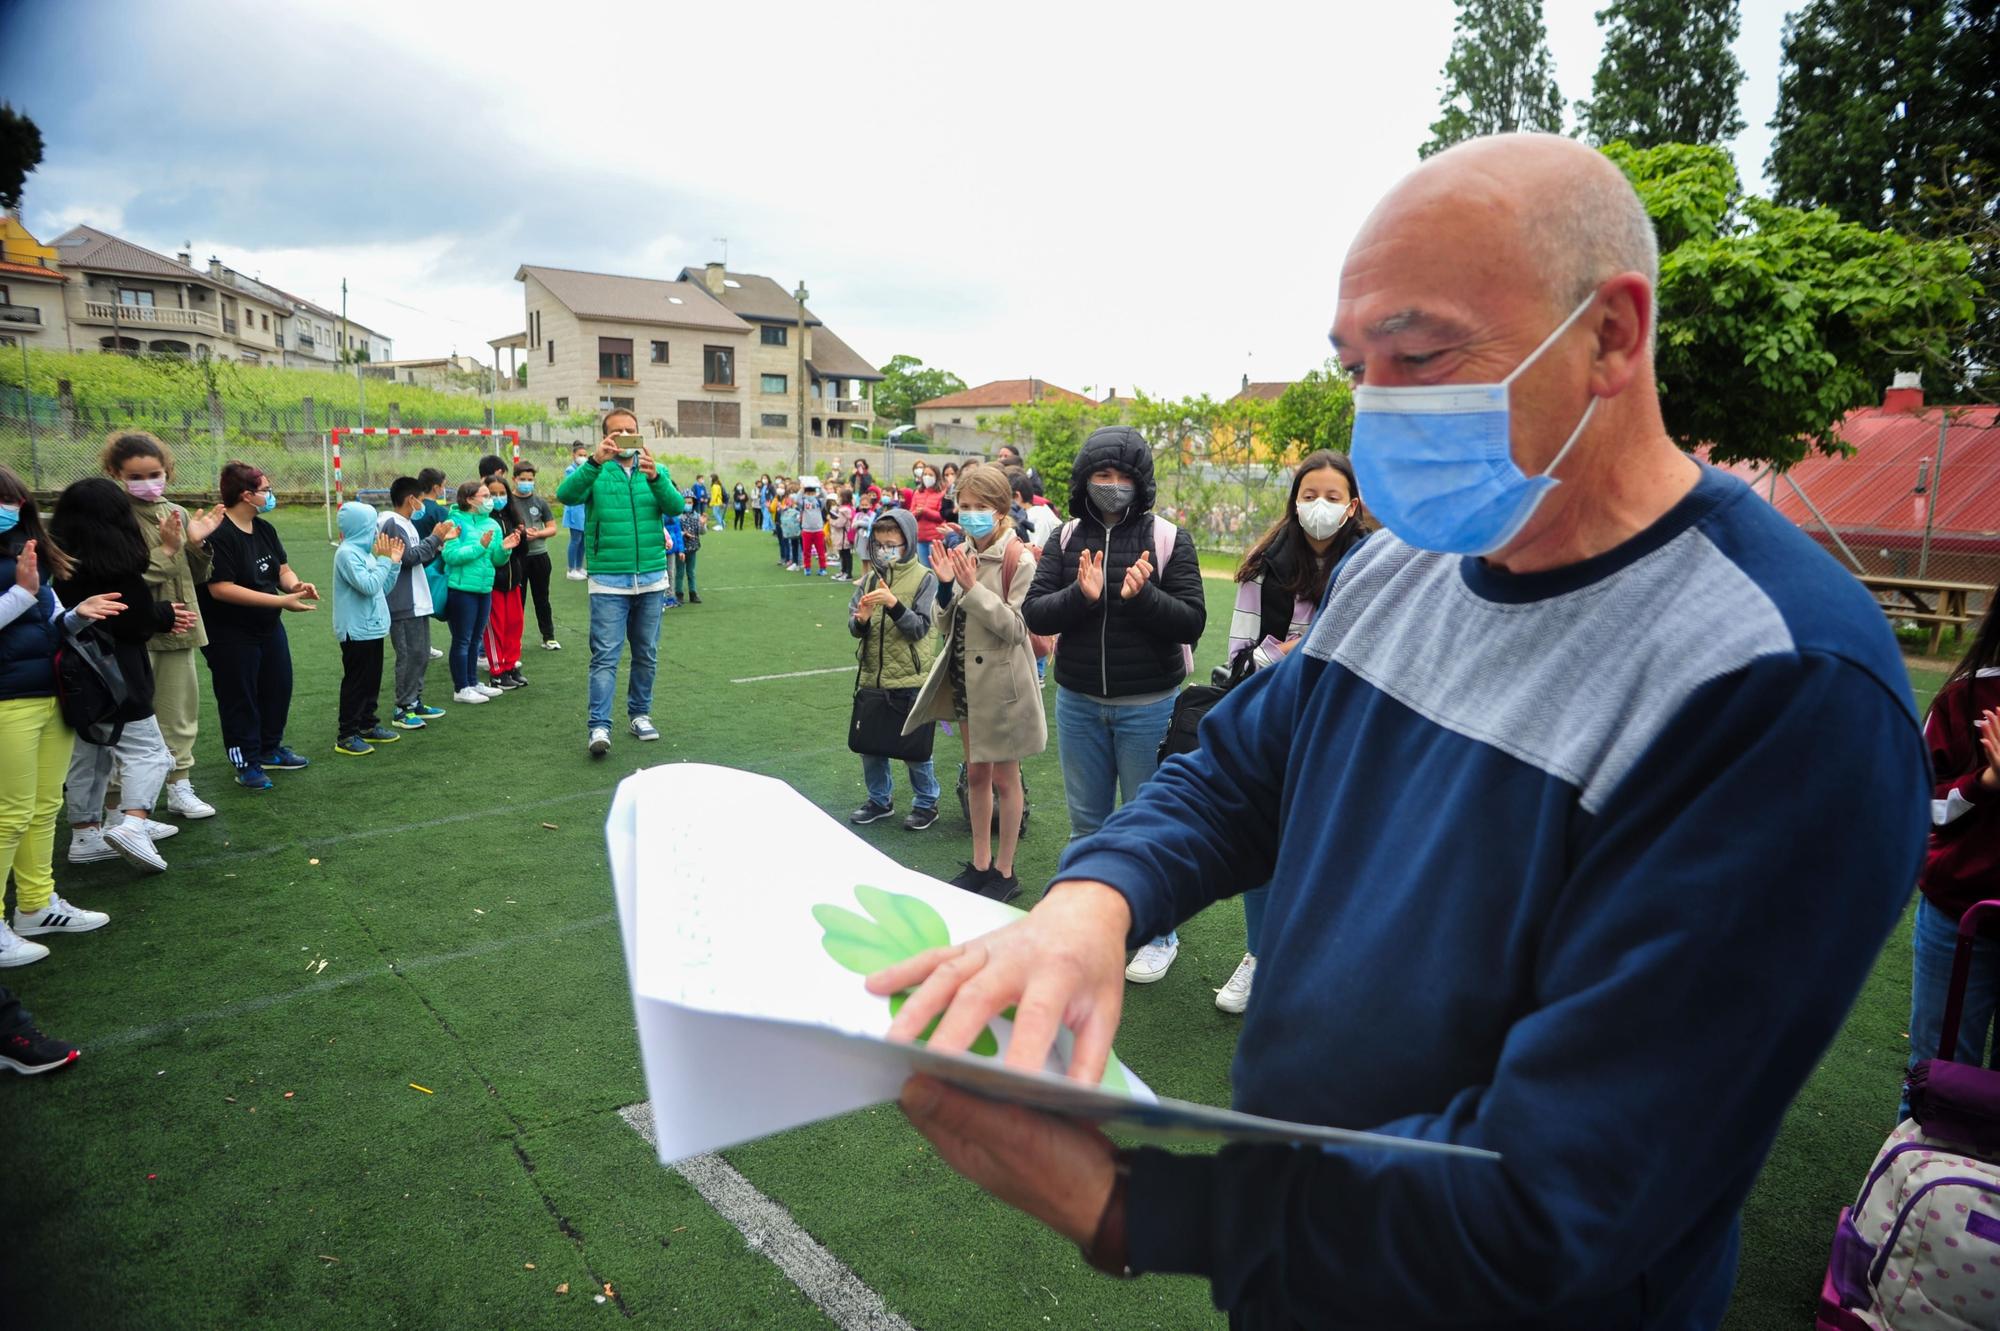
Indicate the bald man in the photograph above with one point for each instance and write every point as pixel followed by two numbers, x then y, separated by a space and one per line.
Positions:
pixel 1586 805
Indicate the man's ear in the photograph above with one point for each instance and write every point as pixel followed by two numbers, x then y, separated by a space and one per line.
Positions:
pixel 1623 324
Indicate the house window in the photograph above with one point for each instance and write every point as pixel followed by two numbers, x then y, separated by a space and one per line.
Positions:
pixel 137 299
pixel 535 329
pixel 615 403
pixel 614 358
pixel 562 404
pixel 775 420
pixel 718 367
pixel 659 353
pixel 774 335
pixel 774 383
pixel 267 322
pixel 552 351
pixel 4 299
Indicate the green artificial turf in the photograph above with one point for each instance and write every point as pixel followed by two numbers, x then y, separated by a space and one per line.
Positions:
pixel 454 886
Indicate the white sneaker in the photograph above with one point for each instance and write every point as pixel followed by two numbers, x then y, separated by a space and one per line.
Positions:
pixel 132 844
pixel 791 568
pixel 89 847
pixel 16 950
pixel 481 661
pixel 643 728
pixel 436 655
pixel 469 695
pixel 490 690
pixel 576 575
pixel 551 645
pixel 600 741
pixel 1235 996
pixel 184 803
pixel 1152 962
pixel 59 917
pixel 157 830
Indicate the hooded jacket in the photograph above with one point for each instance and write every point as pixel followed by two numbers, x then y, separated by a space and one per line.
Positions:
pixel 173 577
pixel 417 553
pixel 1114 647
pixel 895 640
pixel 361 578
pixel 622 528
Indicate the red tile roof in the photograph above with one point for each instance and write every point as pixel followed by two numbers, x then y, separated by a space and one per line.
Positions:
pixel 32 270
pixel 1261 392
pixel 1004 393
pixel 1873 494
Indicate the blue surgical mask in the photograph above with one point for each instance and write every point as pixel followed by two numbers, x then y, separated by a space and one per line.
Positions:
pixel 9 515
pixel 978 523
pixel 525 487
pixel 270 500
pixel 495 504
pixel 1436 463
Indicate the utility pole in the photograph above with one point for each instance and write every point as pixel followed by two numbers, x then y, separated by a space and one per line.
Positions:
pixel 800 295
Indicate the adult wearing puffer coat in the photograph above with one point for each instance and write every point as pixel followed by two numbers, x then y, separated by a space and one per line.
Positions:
pixel 1129 621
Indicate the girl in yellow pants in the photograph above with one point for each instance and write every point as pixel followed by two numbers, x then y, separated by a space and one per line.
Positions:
pixel 34 743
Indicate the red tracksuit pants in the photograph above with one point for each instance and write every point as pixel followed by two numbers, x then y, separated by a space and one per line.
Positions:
pixel 503 633
pixel 815 544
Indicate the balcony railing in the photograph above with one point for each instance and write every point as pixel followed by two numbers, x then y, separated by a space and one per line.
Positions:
pixel 20 314
pixel 147 316
pixel 851 406
pixel 304 341
pixel 228 324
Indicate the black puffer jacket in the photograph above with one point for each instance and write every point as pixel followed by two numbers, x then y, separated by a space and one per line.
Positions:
pixel 1115 648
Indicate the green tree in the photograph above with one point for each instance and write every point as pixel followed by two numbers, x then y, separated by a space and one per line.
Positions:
pixel 1314 413
pixel 906 381
pixel 1667 74
pixel 1499 76
pixel 20 154
pixel 1774 321
pixel 1050 433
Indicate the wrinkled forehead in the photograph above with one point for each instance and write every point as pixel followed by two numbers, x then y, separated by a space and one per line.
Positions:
pixel 1436 257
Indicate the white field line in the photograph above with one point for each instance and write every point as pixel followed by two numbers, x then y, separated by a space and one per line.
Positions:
pixel 795 674
pixel 769 1229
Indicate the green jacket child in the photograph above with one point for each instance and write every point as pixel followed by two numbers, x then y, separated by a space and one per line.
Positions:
pixel 471 557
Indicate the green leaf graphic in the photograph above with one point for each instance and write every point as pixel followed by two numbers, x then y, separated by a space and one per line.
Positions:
pixel 986 1046
pixel 911 921
pixel 855 942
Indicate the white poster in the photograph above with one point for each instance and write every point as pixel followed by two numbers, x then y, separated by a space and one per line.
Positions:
pixel 751 919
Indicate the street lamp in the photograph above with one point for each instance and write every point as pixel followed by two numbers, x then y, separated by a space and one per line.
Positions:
pixel 800 296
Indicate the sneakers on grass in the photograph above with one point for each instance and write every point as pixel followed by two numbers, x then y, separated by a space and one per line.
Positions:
pixel 551 645
pixel 182 802
pixel 88 846
pixel 971 878
pixel 600 741
pixel 28 1051
pixel 490 690
pixel 407 721
pixel 130 842
pixel 920 818
pixel 470 695
pixel 58 917
pixel 426 711
pixel 436 655
pixel 157 830
pixel 871 812
pixel 251 777
pixel 354 747
pixel 16 950
pixel 380 734
pixel 1235 996
pixel 1153 961
pixel 643 728
pixel 285 759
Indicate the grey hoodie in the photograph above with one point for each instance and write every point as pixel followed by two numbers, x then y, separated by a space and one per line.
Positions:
pixel 416 553
pixel 916 603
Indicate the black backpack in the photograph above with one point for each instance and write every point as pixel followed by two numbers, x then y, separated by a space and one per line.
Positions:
pixel 90 688
pixel 1195 702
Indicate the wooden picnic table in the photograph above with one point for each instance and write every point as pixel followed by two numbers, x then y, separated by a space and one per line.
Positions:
pixel 1934 601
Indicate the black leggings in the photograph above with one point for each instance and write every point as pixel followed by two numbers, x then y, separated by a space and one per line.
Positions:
pixel 252 678
pixel 741 513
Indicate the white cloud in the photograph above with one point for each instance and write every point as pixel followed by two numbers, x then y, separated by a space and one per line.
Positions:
pixel 1155 196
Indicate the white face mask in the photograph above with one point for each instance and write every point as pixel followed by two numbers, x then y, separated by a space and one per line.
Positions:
pixel 1323 517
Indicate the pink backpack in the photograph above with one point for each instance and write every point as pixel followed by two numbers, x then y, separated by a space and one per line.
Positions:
pixel 1164 535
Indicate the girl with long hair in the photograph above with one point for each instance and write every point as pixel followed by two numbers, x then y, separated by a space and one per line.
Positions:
pixel 35 744
pixel 94 523
pixel 1962 865
pixel 984 677
pixel 1279 588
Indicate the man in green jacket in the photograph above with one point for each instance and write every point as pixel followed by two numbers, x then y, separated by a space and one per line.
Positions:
pixel 625 548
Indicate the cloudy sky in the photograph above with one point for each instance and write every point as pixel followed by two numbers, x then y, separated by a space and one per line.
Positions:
pixel 1100 195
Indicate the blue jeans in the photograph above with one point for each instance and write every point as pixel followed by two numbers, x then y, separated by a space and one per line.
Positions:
pixel 684 574
pixel 875 774
pixel 1107 752
pixel 1254 902
pixel 614 622
pixel 467 613
pixel 1935 941
pixel 924 553
pixel 576 550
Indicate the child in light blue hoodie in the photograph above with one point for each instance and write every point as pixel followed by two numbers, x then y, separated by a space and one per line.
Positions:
pixel 363 568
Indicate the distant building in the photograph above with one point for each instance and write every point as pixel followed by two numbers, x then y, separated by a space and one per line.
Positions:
pixel 712 354
pixel 124 297
pixel 31 290
pixel 957 422
pixel 1263 391
pixel 452 374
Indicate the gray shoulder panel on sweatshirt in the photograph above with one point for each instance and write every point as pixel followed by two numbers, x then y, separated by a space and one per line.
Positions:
pixel 1579 684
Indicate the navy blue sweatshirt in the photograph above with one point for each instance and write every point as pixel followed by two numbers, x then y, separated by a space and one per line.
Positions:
pixel 1585 867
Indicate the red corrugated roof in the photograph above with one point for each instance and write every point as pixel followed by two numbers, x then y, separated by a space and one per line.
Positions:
pixel 31 270
pixel 1875 491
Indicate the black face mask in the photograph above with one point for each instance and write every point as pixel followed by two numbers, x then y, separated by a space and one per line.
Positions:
pixel 1112 498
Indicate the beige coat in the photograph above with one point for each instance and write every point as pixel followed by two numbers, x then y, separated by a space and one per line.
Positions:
pixel 1003 702
pixel 174 578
